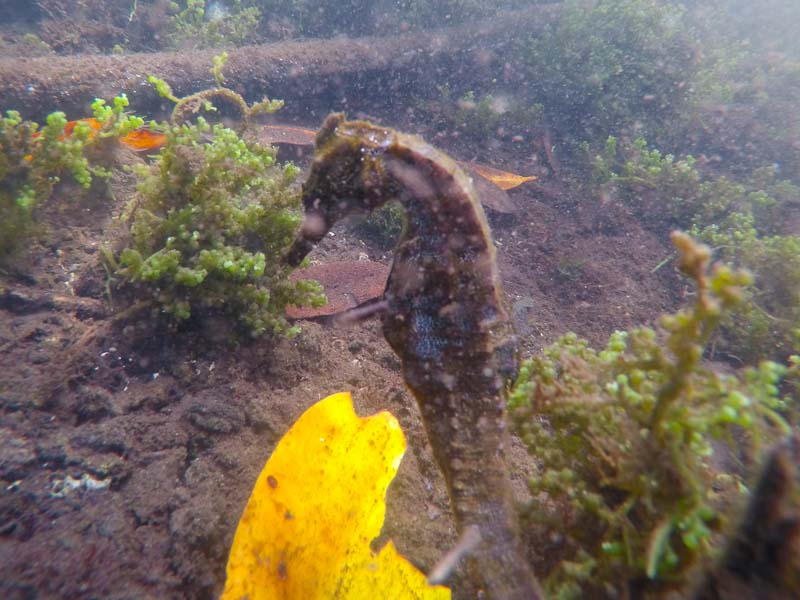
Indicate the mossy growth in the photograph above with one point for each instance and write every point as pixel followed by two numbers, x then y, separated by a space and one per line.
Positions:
pixel 614 66
pixel 311 18
pixel 481 118
pixel 201 24
pixel 633 442
pixel 742 221
pixel 33 161
pixel 213 216
pixel 767 323
pixel 382 226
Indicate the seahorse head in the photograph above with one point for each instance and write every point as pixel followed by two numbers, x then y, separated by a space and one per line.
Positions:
pixel 346 177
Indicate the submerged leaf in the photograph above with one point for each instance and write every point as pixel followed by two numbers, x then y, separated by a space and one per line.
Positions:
pixel 502 179
pixel 347 284
pixel 492 197
pixel 286 134
pixel 315 509
pixel 144 139
pixel 139 139
pixel 658 546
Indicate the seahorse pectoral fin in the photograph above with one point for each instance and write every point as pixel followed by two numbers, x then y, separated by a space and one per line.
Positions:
pixel 328 129
pixel 362 312
pixel 506 356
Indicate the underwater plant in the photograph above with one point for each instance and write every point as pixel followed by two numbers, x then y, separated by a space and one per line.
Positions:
pixel 767 322
pixel 742 221
pixel 478 118
pixel 638 443
pixel 747 93
pixel 664 191
pixel 33 161
pixel 481 117
pixel 614 66
pixel 213 216
pixel 201 24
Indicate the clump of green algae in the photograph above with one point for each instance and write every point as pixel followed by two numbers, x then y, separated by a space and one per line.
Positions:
pixel 630 481
pixel 213 216
pixel 742 221
pixel 193 24
pixel 33 161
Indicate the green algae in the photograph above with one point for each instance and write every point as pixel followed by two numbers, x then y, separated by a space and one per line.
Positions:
pixel 212 218
pixel 631 439
pixel 34 160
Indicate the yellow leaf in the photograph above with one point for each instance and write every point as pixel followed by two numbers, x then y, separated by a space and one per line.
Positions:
pixel 502 179
pixel 317 505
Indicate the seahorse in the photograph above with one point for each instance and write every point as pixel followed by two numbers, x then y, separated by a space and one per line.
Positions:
pixel 442 315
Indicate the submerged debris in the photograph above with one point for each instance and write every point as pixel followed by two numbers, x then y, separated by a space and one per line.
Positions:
pixel 347 284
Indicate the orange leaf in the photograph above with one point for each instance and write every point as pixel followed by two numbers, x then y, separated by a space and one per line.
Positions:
pixel 93 124
pixel 144 139
pixel 139 139
pixel 502 179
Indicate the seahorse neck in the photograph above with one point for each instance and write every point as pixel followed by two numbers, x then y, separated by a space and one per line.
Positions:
pixel 438 198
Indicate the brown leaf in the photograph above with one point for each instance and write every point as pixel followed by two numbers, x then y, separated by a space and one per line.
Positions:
pixel 285 134
pixel 492 197
pixel 347 284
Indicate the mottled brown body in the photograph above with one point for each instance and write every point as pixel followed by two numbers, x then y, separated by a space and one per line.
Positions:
pixel 443 318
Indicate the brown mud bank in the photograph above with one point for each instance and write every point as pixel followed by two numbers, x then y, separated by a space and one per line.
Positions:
pixel 337 74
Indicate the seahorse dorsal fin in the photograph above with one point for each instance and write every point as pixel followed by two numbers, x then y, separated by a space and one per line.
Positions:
pixel 328 129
